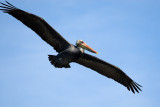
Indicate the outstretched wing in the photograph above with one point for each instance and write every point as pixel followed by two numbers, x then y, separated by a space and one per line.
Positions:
pixel 109 71
pixel 38 25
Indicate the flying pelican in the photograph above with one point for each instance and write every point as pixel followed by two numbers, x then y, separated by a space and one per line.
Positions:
pixel 67 52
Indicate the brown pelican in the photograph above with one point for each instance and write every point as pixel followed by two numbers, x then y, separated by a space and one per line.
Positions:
pixel 67 52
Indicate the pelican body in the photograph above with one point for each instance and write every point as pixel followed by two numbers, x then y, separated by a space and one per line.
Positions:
pixel 71 54
pixel 67 52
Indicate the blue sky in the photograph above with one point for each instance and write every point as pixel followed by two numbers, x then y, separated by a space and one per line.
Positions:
pixel 125 33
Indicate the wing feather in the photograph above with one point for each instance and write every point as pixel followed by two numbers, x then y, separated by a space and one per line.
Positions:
pixel 38 25
pixel 109 71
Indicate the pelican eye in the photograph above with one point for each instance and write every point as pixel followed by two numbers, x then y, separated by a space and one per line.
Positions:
pixel 81 42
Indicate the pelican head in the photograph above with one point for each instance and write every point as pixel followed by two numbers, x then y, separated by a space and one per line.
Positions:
pixel 84 46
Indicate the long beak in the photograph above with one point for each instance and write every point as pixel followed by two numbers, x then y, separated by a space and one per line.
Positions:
pixel 85 46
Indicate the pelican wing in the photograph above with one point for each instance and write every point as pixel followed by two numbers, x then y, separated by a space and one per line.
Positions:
pixel 109 71
pixel 38 25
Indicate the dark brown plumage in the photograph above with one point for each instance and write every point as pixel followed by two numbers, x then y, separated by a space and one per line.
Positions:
pixel 67 52
pixel 108 70
pixel 38 25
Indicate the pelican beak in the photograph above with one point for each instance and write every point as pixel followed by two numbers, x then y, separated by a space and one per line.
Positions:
pixel 85 46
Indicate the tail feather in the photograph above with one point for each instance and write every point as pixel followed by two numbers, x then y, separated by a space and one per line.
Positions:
pixel 51 58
